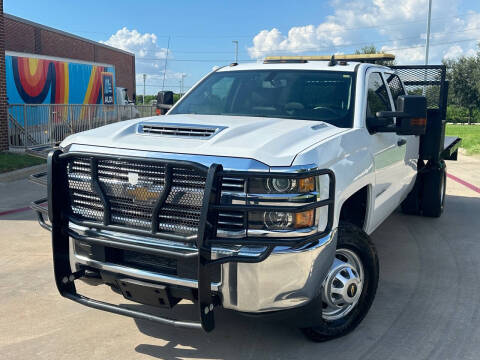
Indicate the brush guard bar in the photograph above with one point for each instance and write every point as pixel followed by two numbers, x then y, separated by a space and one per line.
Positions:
pixel 59 214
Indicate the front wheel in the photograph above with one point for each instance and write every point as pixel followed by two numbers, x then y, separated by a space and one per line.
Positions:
pixel 349 287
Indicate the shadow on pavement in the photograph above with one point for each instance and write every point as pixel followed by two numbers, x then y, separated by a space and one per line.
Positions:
pixel 235 336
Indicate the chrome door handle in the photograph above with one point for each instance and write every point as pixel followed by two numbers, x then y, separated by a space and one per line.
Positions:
pixel 401 142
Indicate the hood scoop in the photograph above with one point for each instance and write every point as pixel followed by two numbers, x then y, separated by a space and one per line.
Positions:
pixel 179 130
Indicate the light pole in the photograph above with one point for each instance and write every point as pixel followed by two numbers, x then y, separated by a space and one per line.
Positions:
pixel 181 83
pixel 427 43
pixel 236 50
pixel 165 69
pixel 144 78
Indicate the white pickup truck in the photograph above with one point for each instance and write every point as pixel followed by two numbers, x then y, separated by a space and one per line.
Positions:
pixel 257 192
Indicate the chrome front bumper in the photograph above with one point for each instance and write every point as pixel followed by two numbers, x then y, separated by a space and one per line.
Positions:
pixel 254 273
pixel 286 279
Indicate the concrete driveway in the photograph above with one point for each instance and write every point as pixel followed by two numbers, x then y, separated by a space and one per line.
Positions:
pixel 427 304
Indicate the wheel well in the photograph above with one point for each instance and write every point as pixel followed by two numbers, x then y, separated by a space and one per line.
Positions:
pixel 354 209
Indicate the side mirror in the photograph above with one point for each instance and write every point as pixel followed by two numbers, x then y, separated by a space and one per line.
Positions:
pixel 380 124
pixel 164 101
pixel 411 115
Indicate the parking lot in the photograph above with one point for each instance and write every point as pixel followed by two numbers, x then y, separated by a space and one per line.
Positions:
pixel 427 305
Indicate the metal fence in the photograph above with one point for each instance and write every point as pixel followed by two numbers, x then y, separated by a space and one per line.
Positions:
pixel 33 124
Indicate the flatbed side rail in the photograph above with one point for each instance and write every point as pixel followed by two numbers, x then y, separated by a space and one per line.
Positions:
pixel 60 215
pixel 450 148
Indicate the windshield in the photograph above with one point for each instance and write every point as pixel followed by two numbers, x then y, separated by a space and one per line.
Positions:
pixel 292 94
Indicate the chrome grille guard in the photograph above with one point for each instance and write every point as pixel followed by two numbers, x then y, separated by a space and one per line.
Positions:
pixel 60 214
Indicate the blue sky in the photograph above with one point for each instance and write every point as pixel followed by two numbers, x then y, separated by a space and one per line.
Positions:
pixel 201 33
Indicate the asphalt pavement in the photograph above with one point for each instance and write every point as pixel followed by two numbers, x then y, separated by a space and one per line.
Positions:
pixel 427 304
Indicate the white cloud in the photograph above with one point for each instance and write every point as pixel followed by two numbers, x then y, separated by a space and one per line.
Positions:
pixel 392 25
pixel 453 52
pixel 149 58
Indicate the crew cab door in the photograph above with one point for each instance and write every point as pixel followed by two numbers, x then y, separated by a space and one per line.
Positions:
pixel 388 153
pixel 410 142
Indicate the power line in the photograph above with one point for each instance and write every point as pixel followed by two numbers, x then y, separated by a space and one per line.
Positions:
pixel 350 28
pixel 311 49
pixel 253 35
pixel 373 42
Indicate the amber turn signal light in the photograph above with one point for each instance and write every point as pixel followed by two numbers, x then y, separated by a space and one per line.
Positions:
pixel 418 122
pixel 306 184
pixel 304 219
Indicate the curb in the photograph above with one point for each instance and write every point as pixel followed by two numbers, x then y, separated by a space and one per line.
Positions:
pixel 22 173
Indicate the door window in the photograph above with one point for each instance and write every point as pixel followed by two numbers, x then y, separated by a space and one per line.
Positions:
pixel 377 95
pixel 395 86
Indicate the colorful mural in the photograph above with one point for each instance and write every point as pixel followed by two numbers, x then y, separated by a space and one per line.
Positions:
pixel 32 80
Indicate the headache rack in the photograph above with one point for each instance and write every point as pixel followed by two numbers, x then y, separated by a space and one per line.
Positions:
pixel 64 204
pixel 430 81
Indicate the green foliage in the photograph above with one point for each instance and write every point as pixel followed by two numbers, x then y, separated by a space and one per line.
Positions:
pixel 371 49
pixel 148 99
pixel 464 77
pixel 459 114
pixel 470 135
pixel 13 161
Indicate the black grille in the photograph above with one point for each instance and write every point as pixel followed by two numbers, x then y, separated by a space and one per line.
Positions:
pixel 231 221
pixel 179 130
pixel 132 189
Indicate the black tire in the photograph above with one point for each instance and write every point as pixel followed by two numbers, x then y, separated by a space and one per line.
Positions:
pixel 354 239
pixel 433 194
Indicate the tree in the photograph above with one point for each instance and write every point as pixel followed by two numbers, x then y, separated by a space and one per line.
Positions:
pixel 464 88
pixel 371 49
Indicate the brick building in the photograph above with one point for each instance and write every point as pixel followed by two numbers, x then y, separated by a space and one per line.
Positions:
pixel 28 37
pixel 3 87
pixel 24 36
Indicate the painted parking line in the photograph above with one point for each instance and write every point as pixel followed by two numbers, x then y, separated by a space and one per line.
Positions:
pixel 14 211
pixel 464 183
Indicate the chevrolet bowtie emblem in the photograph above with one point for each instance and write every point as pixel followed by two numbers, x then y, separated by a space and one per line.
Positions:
pixel 142 193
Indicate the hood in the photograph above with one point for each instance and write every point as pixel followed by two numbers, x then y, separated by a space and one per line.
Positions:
pixel 272 141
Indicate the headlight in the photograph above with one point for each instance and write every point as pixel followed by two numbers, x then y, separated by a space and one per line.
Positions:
pixel 281 185
pixel 277 220
pixel 281 220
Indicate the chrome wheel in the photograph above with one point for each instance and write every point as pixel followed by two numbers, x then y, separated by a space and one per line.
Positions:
pixel 343 285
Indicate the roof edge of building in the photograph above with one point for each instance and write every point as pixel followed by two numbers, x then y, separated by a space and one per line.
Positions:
pixel 48 28
pixel 56 58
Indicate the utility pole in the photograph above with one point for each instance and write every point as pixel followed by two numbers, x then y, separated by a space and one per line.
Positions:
pixel 144 78
pixel 236 50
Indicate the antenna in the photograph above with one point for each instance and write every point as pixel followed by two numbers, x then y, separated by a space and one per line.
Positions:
pixel 332 61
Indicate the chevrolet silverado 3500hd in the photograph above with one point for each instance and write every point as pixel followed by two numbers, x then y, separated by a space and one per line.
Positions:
pixel 257 192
